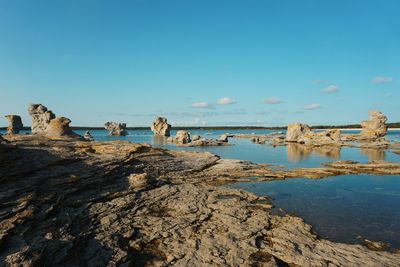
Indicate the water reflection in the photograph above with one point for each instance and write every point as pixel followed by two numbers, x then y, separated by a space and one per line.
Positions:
pixel 298 152
pixel 159 140
pixel 373 154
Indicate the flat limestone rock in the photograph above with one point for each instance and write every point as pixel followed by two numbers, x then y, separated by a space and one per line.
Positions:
pixel 14 124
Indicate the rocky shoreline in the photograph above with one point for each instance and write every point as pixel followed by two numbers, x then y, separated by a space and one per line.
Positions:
pixel 73 202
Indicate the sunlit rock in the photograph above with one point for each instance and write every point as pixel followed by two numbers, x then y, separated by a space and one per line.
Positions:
pixel 297 131
pixel 59 127
pixel 116 129
pixel 376 125
pixel 41 118
pixel 182 137
pixel 160 127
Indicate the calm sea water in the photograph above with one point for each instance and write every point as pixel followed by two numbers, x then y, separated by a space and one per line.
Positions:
pixel 292 156
pixel 340 208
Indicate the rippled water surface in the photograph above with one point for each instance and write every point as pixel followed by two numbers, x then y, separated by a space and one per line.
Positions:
pixel 340 208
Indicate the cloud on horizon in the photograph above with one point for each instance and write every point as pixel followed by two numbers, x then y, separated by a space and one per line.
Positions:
pixel 272 101
pixel 312 106
pixel 381 79
pixel 201 105
pixel 226 101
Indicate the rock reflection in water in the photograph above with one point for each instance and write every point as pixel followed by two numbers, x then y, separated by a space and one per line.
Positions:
pixel 299 152
pixel 373 154
pixel 159 140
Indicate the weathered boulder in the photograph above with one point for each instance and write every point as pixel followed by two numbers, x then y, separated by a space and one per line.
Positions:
pixel 195 137
pixel 160 127
pixel 88 136
pixel 14 124
pixel 41 118
pixel 376 125
pixel 302 133
pixel 116 129
pixel 223 138
pixel 59 127
pixel 297 131
pixel 182 137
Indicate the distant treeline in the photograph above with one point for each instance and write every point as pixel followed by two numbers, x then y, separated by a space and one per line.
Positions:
pixel 349 126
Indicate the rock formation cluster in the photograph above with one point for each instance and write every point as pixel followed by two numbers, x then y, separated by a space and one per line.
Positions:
pixel 160 127
pixel 41 118
pixel 116 129
pixel 182 138
pixel 45 122
pixel 302 133
pixel 376 126
pixel 77 203
pixel 14 124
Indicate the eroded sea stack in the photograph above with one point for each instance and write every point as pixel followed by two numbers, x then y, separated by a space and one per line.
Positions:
pixel 376 126
pixel 45 122
pixel 116 129
pixel 14 124
pixel 160 127
pixel 297 132
pixel 41 118
pixel 59 127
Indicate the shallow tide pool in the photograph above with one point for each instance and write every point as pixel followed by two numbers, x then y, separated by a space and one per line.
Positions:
pixel 340 208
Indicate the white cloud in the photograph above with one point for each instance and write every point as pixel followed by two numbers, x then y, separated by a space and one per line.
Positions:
pixel 272 101
pixel 226 101
pixel 201 105
pixel 330 89
pixel 312 106
pixel 381 79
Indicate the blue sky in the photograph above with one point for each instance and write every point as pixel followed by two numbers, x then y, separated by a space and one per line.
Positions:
pixel 216 62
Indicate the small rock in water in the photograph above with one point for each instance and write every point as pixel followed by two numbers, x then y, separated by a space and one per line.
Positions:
pixel 182 137
pixel 88 136
pixel 116 129
pixel 223 138
pixel 14 124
